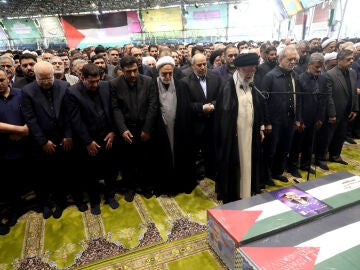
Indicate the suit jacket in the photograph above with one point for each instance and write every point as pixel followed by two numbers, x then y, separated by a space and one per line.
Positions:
pixel 147 104
pixel 202 122
pixel 43 124
pixel 222 72
pixel 20 82
pixel 276 107
pixel 314 98
pixel 83 112
pixel 339 94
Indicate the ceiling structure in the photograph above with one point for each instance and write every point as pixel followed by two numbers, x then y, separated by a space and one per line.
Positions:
pixel 37 8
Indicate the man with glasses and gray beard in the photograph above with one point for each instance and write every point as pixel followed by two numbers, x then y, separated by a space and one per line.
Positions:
pixel 282 113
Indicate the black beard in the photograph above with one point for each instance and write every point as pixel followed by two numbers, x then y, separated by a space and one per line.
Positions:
pixel 315 49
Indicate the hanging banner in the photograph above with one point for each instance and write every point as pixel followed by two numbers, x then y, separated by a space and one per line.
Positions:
pixel 51 27
pixel 21 29
pixel 165 19
pixel 133 22
pixel 310 3
pixel 3 39
pixel 292 6
pixel 203 17
pixel 109 30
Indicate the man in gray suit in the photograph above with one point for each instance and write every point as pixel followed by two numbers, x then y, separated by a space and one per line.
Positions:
pixel 343 102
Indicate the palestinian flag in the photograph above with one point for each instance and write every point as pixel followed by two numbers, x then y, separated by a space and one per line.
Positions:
pixel 240 224
pixel 108 29
pixel 331 242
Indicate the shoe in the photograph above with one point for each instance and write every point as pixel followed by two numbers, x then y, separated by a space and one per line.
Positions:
pixel 129 196
pixel 322 165
pixel 95 209
pixel 294 172
pixel 58 211
pixel 47 212
pixel 307 169
pixel 188 189
pixel 82 207
pixel 4 229
pixel 281 178
pixel 148 194
pixel 338 160
pixel 113 203
pixel 12 219
pixel 270 183
pixel 350 140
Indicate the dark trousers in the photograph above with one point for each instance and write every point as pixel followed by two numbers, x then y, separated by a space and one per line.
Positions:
pixel 14 184
pixel 337 135
pixel 204 154
pixel 52 174
pixel 304 143
pixel 321 145
pixel 136 161
pixel 104 166
pixel 277 145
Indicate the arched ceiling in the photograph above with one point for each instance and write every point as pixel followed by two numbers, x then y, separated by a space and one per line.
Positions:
pixel 36 8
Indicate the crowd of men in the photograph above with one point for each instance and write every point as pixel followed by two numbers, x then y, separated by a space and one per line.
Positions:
pixel 78 126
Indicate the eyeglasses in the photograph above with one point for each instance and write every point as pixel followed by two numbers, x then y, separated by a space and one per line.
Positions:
pixel 292 59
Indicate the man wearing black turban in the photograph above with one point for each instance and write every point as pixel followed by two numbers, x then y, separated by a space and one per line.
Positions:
pixel 239 133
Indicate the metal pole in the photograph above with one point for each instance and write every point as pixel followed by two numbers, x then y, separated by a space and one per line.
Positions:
pixel 342 17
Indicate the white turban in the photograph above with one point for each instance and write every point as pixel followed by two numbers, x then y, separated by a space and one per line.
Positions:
pixel 327 42
pixel 330 56
pixel 165 60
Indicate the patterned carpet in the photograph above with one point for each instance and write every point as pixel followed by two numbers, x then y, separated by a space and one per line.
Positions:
pixel 158 233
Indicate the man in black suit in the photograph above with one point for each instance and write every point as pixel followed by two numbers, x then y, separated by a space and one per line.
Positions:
pixel 27 63
pixel 45 115
pixel 89 104
pixel 268 64
pixel 343 102
pixel 203 88
pixel 137 53
pixel 312 85
pixel 135 105
pixel 282 113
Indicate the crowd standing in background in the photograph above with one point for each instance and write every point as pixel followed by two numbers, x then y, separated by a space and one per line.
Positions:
pixel 85 124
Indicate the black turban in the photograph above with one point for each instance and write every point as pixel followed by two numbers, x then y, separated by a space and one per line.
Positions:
pixel 246 59
pixel 215 54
